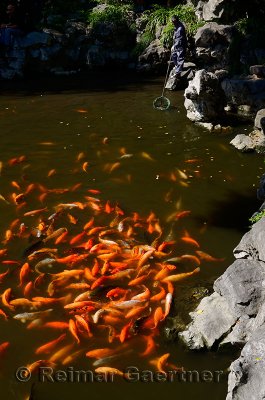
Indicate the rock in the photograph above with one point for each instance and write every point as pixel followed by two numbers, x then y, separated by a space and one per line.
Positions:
pixel 245 90
pixel 242 286
pixel 254 141
pixel 206 125
pixel 212 34
pixel 252 243
pixel 246 378
pixel 240 333
pixel 155 55
pixel 220 10
pixel 204 99
pixel 258 70
pixel 208 326
pixel 181 80
pixel 260 120
pixel 212 43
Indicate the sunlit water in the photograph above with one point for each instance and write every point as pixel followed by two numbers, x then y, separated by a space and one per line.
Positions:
pixel 52 126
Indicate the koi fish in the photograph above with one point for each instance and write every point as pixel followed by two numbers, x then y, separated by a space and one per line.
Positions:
pixel 207 257
pixel 108 370
pixel 179 277
pixel 30 316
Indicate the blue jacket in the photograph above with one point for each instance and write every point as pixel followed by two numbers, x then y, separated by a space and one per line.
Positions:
pixel 179 38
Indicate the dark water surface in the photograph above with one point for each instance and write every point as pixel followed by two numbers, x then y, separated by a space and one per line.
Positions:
pixel 46 126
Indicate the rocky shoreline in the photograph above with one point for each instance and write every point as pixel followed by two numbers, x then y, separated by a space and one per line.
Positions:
pixel 234 315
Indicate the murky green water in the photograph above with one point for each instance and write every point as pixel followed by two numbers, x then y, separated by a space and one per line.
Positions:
pixel 46 126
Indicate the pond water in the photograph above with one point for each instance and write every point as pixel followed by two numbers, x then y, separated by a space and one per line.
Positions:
pixel 143 160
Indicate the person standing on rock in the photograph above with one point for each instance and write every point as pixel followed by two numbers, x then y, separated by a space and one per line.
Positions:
pixel 178 50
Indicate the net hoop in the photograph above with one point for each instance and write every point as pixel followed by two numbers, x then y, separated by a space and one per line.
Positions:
pixel 161 103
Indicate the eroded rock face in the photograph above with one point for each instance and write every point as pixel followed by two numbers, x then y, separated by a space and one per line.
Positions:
pixel 212 43
pixel 235 314
pixel 207 326
pixel 246 378
pixel 242 286
pixel 204 99
pixel 245 91
pixel 256 139
pixel 154 57
pixel 220 10
pixel 260 120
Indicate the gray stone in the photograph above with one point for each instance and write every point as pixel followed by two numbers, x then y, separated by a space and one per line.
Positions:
pixel 245 90
pixel 240 333
pixel 212 34
pixel 246 379
pixel 212 43
pixel 252 243
pixel 208 326
pixel 242 285
pixel 204 99
pixel 220 10
pixel 243 143
pixel 206 125
pixel 260 120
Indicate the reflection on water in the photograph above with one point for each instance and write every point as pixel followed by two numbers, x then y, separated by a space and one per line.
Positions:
pixel 144 160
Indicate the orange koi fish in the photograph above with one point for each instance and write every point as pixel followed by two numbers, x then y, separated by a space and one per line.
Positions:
pixel 3 347
pixel 100 353
pixel 3 275
pixel 207 257
pixel 73 330
pixel 109 370
pixel 3 314
pixel 158 316
pixel 6 299
pixel 189 240
pixel 35 212
pixel 162 361
pixel 150 346
pixel 179 277
pixel 48 347
pixel 56 325
pixel 24 272
pixel 82 325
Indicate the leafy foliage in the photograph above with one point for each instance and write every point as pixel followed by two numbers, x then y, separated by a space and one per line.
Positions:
pixel 112 13
pixel 257 216
pixel 161 17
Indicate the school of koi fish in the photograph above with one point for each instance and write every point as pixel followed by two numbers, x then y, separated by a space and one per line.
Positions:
pixel 89 270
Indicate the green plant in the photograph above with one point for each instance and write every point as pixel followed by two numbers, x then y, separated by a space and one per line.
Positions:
pixel 112 13
pixel 257 216
pixel 161 17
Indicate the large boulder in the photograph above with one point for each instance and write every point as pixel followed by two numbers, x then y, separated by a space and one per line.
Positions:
pixel 207 326
pixel 246 143
pixel 212 43
pixel 242 286
pixel 221 10
pixel 204 98
pixel 260 120
pixel 245 93
pixel 246 378
pixel 153 58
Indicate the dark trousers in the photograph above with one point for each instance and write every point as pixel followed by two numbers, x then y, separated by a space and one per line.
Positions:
pixel 178 57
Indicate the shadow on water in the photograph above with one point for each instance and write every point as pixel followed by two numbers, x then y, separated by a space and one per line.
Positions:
pixel 234 211
pixel 111 81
